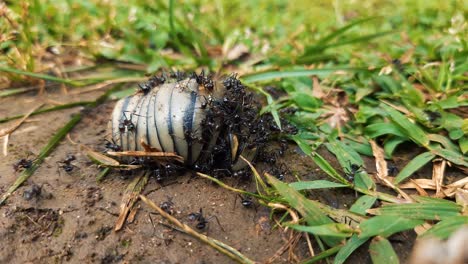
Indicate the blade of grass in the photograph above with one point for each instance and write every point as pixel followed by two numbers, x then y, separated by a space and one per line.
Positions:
pixel 351 245
pixel 318 184
pixel 9 92
pixel 362 204
pixel 426 211
pixel 446 227
pixel 322 255
pixel 365 38
pixel 386 225
pixel 414 165
pixel 311 213
pixel 42 76
pixel 266 76
pixel 381 251
pixel 410 129
pixel 333 229
pixel 45 110
pixel 53 142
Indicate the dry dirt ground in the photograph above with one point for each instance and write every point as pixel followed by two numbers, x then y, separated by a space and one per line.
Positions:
pixel 71 218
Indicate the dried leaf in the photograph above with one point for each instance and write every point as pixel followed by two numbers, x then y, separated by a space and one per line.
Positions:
pixel 438 169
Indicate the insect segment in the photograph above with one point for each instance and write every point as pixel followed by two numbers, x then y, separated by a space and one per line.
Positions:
pixel 207 121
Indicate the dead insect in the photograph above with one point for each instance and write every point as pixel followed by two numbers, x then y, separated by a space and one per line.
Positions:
pixel 192 117
pixel 22 164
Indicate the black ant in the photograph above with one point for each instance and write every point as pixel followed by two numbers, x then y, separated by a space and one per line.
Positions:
pixel 392 170
pixel 167 206
pixel 22 164
pixel 201 220
pixel 246 201
pixel 126 124
pixel 145 88
pixel 112 146
pixel 66 163
pixel 351 172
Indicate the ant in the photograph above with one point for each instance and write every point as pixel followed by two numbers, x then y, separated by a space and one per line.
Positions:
pixel 112 146
pixel 201 220
pixel 22 164
pixel 66 163
pixel 126 124
pixel 167 206
pixel 351 172
pixel 246 201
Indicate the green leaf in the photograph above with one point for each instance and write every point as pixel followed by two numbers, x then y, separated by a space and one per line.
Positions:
pixel 382 252
pixel 391 144
pixel 362 180
pixel 463 142
pixel 328 168
pixel 306 101
pixel 318 184
pixel 410 129
pixel 333 229
pixel 312 214
pixel 351 245
pixel 345 154
pixel 362 204
pixel 386 225
pixel 379 129
pixel 446 227
pixel 451 156
pixel 426 211
pixel 414 165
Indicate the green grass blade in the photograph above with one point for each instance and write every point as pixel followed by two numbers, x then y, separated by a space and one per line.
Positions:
pixel 271 75
pixel 386 225
pixel 312 214
pixel 414 165
pixel 381 251
pixel 362 204
pixel 365 38
pixel 333 230
pixel 380 129
pixel 41 76
pixel 318 184
pixel 9 92
pixel 451 156
pixel 50 109
pixel 446 227
pixel 351 245
pixel 322 255
pixel 345 28
pixel 53 142
pixel 410 129
pixel 425 211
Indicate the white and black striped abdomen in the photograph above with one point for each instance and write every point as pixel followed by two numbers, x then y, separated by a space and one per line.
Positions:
pixel 167 118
